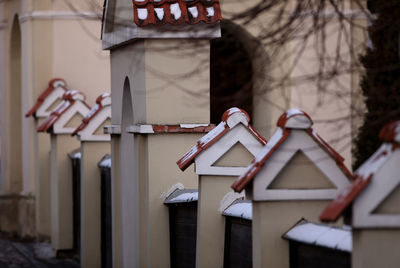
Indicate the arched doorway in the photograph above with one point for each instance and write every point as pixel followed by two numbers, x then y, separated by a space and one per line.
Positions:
pixel 15 111
pixel 129 185
pixel 231 73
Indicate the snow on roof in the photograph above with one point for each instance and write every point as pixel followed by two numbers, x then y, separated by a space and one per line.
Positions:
pixel 321 235
pixel 291 119
pixel 102 101
pixel 230 119
pixel 105 162
pixel 239 209
pixel 182 196
pixel 363 176
pixel 176 12
pixel 68 99
pixel 53 84
pixel 75 154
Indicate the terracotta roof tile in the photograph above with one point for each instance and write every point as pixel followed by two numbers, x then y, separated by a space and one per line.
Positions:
pixel 53 84
pixel 68 99
pixel 176 12
pixel 229 120
pixel 102 101
pixel 292 119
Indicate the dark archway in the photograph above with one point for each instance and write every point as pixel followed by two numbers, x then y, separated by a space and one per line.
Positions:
pixel 231 73
pixel 15 110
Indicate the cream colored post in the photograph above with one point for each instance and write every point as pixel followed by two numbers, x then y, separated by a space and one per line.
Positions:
pixel 61 191
pixel 91 153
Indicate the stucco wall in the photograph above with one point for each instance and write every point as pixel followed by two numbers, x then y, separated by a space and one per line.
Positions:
pixel 375 248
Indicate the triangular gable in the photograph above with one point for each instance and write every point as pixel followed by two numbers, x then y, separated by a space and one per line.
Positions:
pixel 235 120
pixel 390 204
pixel 390 135
pixel 73 103
pixel 48 98
pixel 299 140
pixel 236 156
pixel 205 161
pixel 294 134
pixel 383 183
pixel 300 173
pixel 230 119
pixel 100 113
pixel 60 126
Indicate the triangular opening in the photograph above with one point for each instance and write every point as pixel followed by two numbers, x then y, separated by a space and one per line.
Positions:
pixel 236 156
pixel 100 129
pixel 300 173
pixel 54 105
pixel 75 121
pixel 391 204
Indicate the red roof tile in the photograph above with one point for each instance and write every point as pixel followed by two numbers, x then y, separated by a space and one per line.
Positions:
pixel 229 119
pixel 390 132
pixel 176 12
pixel 68 99
pixel 53 84
pixel 293 118
pixel 102 101
pixel 363 176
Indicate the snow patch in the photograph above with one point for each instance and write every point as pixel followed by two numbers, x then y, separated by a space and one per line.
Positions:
pixel 375 162
pixel 185 197
pixel 210 11
pixel 193 11
pixel 321 235
pixel 106 163
pixel 241 209
pixel 160 13
pixel 229 198
pixel 142 13
pixel 193 125
pixel 175 10
pixel 173 188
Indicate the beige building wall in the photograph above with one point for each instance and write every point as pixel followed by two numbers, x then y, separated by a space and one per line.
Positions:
pixel 91 154
pixel 280 82
pixel 56 41
pixel 375 248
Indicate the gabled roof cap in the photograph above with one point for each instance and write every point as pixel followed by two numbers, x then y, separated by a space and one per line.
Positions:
pixel 53 84
pixel 390 135
pixel 230 119
pixel 102 101
pixel 68 99
pixel 291 119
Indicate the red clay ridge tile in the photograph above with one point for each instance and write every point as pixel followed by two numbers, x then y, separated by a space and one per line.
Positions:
pixel 176 12
pixel 68 99
pixel 291 119
pixel 102 101
pixel 53 84
pixel 230 119
pixel 390 132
